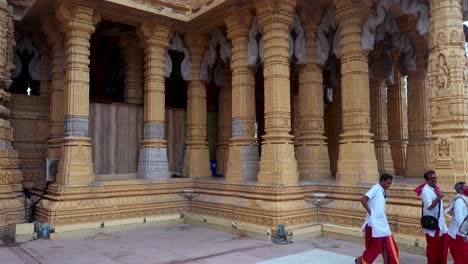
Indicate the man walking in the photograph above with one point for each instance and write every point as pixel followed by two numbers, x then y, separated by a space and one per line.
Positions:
pixel 437 241
pixel 458 210
pixel 378 236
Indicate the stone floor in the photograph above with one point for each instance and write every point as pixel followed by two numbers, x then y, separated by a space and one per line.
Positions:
pixel 181 244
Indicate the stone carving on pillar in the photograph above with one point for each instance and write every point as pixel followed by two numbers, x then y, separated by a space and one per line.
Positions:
pixel 243 148
pixel 153 163
pixel 278 164
pixel 78 23
pixel 254 46
pixel 357 161
pixel 327 25
pixel 448 95
pixel 133 55
pixel 186 65
pixel 210 56
pixel 197 160
pixel 11 201
pixel 312 150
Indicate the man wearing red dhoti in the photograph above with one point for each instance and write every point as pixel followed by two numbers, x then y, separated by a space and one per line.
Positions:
pixel 378 236
pixel 457 209
pixel 437 240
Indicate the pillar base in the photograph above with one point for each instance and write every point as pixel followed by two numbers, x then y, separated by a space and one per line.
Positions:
pixel 384 158
pixel 418 158
pixel 243 163
pixel 77 165
pixel 313 161
pixel 278 164
pixel 399 157
pixel 357 163
pixel 197 161
pixel 153 164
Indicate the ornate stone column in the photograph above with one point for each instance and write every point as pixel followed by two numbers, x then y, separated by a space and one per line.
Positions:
pixel 78 23
pixel 132 53
pixel 357 162
pixel 378 95
pixel 197 157
pixel 243 149
pixel 55 41
pixel 278 164
pixel 448 80
pixel 312 152
pixel 419 129
pixel 397 119
pixel 153 162
pixel 11 199
pixel 224 121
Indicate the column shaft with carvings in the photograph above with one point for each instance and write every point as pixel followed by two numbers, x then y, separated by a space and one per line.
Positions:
pixel 224 121
pixel 312 153
pixel 418 114
pixel 448 78
pixel 134 61
pixel 55 40
pixel 78 23
pixel 153 163
pixel 357 161
pixel 197 160
pixel 397 119
pixel 378 95
pixel 11 199
pixel 278 164
pixel 243 149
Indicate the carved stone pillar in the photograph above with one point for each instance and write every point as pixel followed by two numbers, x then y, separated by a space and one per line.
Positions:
pixel 197 157
pixel 448 80
pixel 153 162
pixel 11 199
pixel 357 162
pixel 78 23
pixel 397 119
pixel 133 56
pixel 224 121
pixel 312 152
pixel 378 95
pixel 418 114
pixel 278 164
pixel 243 149
pixel 55 40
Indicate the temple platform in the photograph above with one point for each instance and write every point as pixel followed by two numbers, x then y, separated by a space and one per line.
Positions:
pixel 182 243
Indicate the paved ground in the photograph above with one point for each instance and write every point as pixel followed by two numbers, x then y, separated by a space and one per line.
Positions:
pixel 182 244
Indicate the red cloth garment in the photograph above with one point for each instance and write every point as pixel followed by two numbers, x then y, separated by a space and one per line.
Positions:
pixel 459 250
pixel 418 189
pixel 437 248
pixel 377 245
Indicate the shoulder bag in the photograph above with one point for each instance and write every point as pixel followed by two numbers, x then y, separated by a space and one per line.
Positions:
pixel 429 222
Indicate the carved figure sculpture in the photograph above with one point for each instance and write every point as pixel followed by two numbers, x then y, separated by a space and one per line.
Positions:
pixel 253 44
pixel 415 7
pixel 299 44
pixel 209 58
pixel 442 73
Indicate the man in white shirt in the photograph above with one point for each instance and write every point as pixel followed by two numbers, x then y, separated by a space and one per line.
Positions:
pixel 378 235
pixel 437 241
pixel 458 209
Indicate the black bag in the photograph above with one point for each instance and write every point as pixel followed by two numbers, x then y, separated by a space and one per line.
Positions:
pixel 429 222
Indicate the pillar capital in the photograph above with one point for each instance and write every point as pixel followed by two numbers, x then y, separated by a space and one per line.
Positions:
pixel 154 34
pixel 74 16
pixel 49 26
pixel 275 10
pixel 238 17
pixel 196 43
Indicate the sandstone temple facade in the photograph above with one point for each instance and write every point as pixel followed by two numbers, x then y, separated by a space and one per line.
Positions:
pixel 110 109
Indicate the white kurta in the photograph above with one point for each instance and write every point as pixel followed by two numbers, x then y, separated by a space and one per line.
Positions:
pixel 428 195
pixel 377 219
pixel 459 213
